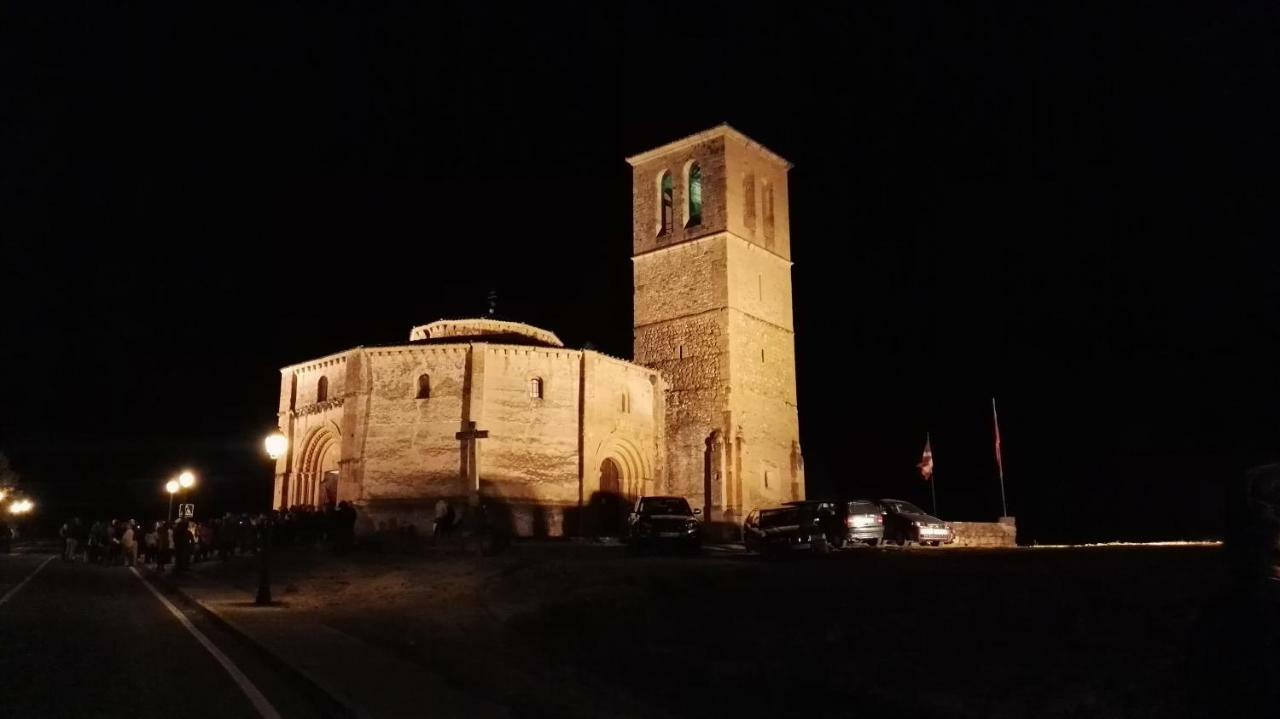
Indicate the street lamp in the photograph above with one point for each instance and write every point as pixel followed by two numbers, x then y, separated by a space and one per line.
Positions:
pixel 186 480
pixel 276 445
pixel 21 506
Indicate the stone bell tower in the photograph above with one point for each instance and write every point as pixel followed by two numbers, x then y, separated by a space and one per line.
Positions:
pixel 711 255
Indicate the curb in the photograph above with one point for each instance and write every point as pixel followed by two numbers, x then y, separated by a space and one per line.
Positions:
pixel 335 704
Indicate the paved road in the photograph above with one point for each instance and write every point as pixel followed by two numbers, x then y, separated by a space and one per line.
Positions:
pixel 79 640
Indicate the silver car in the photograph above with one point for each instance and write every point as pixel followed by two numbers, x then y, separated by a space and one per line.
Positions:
pixel 905 522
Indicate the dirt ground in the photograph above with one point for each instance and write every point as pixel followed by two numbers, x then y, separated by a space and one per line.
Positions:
pixel 581 630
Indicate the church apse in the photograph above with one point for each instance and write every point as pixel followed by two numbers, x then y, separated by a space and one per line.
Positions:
pixel 497 413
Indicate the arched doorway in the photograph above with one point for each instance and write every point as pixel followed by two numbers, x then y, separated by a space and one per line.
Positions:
pixel 318 476
pixel 610 505
pixel 610 477
pixel 327 492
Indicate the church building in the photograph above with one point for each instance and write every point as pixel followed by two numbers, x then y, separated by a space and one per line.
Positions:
pixel 502 412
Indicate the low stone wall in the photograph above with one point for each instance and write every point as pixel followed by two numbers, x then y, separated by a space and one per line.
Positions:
pixel 1003 533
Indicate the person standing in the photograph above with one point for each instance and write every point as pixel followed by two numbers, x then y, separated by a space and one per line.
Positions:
pixel 150 540
pixel 68 541
pixel 164 545
pixel 114 533
pixel 181 546
pixel 129 544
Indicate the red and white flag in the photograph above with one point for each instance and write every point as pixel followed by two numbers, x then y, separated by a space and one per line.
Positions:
pixel 926 460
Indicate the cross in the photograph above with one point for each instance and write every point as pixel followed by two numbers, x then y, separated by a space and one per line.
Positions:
pixel 470 459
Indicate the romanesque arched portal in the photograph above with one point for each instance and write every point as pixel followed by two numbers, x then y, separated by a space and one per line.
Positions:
pixel 317 479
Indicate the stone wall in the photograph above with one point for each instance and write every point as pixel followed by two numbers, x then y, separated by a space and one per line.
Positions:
pixel 623 417
pixel 532 449
pixel 767 174
pixel 681 329
pixel 986 534
pixel 406 445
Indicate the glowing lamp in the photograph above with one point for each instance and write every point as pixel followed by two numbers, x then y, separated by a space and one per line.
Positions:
pixel 172 486
pixel 276 444
pixel 187 480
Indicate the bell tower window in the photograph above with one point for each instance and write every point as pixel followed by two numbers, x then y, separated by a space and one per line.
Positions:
pixel 666 202
pixel 693 181
pixel 322 390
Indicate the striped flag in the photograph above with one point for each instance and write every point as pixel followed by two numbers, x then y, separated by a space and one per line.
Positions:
pixel 926 460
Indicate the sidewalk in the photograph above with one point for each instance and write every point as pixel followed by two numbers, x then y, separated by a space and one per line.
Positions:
pixel 364 680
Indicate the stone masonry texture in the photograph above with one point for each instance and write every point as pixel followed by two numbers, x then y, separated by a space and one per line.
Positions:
pixel 713 313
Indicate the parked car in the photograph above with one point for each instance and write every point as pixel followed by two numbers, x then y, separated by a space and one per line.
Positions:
pixel 844 522
pixel 664 522
pixel 904 522
pixel 785 529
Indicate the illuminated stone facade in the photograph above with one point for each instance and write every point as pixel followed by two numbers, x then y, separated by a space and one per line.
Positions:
pixel 713 313
pixel 563 427
pixel 472 409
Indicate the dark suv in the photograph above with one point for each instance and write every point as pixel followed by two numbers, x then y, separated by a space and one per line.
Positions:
pixel 798 527
pixel 664 521
pixel 847 522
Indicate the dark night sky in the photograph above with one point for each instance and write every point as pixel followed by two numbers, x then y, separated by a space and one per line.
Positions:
pixel 1071 209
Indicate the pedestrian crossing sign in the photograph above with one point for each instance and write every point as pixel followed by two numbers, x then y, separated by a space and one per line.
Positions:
pixel 186 511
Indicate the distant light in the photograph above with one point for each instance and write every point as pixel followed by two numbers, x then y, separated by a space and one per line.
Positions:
pixel 21 506
pixel 172 486
pixel 3 493
pixel 276 444
pixel 187 480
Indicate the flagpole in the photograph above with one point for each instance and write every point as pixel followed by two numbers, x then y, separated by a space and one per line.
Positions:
pixel 995 418
pixel 933 491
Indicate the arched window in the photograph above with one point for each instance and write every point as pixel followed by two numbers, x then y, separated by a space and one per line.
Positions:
pixel 322 389
pixel 666 202
pixel 535 388
pixel 766 198
pixel 693 181
pixel 749 201
pixel 424 386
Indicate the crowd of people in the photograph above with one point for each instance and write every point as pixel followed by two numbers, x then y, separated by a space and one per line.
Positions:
pixel 179 543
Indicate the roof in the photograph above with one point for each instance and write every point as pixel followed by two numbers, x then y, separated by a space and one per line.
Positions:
pixel 718 131
pixel 484 330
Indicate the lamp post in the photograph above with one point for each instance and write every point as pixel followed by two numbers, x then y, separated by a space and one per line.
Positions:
pixel 276 445
pixel 172 488
pixel 184 481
